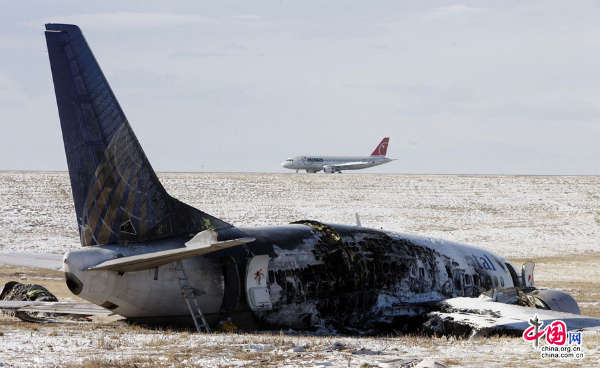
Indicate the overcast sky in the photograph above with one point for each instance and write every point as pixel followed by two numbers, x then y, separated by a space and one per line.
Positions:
pixel 460 87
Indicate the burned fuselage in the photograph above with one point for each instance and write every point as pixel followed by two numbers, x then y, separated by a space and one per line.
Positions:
pixel 310 275
pixel 306 275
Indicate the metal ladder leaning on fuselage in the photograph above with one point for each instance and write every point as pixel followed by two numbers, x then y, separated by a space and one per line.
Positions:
pixel 191 299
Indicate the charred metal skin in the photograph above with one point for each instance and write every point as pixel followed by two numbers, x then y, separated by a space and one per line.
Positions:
pixel 336 276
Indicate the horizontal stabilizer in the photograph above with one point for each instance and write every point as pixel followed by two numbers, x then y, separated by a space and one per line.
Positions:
pixel 87 309
pixel 154 259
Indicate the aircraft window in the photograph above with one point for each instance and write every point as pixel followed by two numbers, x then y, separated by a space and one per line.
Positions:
pixel 290 160
pixel 467 280
pixel 476 280
pixel 457 283
pixel 502 281
pixel 495 281
pixel 422 272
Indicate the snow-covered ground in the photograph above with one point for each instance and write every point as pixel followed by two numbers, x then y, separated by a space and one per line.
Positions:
pixel 123 346
pixel 554 219
pixel 514 216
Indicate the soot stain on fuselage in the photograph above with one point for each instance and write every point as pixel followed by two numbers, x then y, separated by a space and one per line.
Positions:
pixel 346 277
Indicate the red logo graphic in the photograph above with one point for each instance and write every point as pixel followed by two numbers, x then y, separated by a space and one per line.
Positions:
pixel 381 148
pixel 258 275
pixel 556 332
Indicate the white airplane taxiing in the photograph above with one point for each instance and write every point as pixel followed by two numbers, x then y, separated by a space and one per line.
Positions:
pixel 333 164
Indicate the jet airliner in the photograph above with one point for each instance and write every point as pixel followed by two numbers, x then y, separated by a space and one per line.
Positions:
pixel 333 164
pixel 148 256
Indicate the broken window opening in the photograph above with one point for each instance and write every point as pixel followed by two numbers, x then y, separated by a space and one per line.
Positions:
pixel 476 280
pixel 271 277
pixel 457 284
pixel 467 280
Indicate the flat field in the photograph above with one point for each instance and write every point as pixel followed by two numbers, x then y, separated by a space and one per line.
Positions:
pixel 553 220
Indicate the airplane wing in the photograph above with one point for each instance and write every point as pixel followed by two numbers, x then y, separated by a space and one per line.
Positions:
pixel 87 309
pixel 347 165
pixel 482 316
pixel 46 261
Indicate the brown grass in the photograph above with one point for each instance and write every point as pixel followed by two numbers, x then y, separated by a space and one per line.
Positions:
pixel 161 341
pixel 132 362
pixel 588 257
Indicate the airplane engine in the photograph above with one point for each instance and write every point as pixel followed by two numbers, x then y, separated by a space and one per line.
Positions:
pixel 329 169
pixel 555 300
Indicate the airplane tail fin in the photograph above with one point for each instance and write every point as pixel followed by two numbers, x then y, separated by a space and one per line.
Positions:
pixel 381 149
pixel 118 197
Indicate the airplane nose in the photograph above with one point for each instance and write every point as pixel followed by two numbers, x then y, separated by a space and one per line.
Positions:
pixel 285 164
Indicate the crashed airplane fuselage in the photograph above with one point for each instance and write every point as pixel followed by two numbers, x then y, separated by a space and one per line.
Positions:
pixel 304 275
pixel 146 255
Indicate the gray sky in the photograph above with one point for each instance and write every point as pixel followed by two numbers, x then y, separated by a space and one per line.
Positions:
pixel 460 87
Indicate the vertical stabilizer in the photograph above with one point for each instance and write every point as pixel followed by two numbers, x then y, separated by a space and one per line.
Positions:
pixel 527 275
pixel 118 197
pixel 381 148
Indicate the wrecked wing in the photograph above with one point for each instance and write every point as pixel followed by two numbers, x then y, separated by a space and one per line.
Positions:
pixel 46 261
pixel 483 315
pixel 87 309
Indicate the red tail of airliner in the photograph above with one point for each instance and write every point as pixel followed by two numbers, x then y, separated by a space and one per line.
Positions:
pixel 381 147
